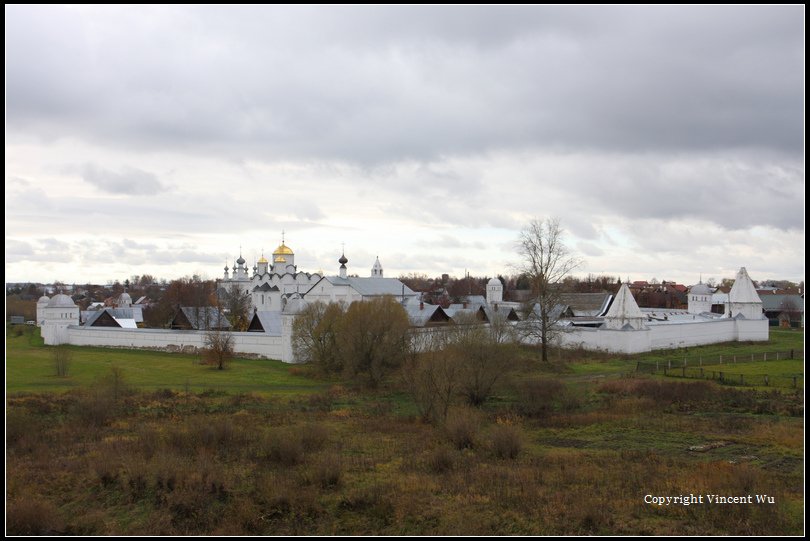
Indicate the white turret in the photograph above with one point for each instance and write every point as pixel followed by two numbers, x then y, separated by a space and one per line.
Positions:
pixel 743 299
pixel 377 270
pixel 41 304
pixel 124 300
pixel 262 266
pixel 700 298
pixel 60 313
pixel 624 313
pixel 494 291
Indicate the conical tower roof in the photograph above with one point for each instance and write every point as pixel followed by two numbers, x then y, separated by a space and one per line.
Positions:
pixel 624 306
pixel 743 289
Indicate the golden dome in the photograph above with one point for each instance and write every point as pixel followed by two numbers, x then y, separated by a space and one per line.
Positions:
pixel 283 250
pixel 262 260
pixel 279 259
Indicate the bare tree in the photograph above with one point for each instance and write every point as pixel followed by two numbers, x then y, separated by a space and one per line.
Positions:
pixel 433 379
pixel 790 310
pixel 546 262
pixel 237 305
pixel 219 348
pixel 62 355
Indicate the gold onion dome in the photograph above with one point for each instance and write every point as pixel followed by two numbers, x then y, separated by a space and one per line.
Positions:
pixel 283 250
pixel 262 259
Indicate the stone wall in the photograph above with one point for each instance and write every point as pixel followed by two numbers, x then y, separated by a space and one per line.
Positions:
pixel 260 344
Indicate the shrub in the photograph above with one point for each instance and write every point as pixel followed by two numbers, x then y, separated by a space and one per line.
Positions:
pixel 29 516
pixel 322 401
pixel 538 397
pixel 149 441
pixel 462 428
pixel 94 408
pixel 283 447
pixel 326 472
pixel 507 441
pixel 313 437
pixel 441 460
pixel 22 428
pixel 213 433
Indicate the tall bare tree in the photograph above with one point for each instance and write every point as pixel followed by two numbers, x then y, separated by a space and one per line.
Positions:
pixel 237 305
pixel 546 261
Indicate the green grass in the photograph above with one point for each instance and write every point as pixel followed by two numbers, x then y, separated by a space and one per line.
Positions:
pixel 779 340
pixel 29 367
pixel 787 368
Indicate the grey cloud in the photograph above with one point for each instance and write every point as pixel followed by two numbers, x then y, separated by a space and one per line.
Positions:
pixel 138 255
pixel 200 213
pixel 306 210
pixel 38 250
pixel 453 242
pixel 376 84
pixel 128 181
pixel 589 249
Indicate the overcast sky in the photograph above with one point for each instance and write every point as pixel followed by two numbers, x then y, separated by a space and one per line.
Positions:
pixel 157 140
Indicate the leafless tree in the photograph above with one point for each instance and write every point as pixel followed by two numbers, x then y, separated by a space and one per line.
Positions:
pixel 546 261
pixel 218 347
pixel 62 355
pixel 433 379
pixel 237 305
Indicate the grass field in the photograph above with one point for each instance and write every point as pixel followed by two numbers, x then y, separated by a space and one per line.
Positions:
pixel 277 452
pixel 30 367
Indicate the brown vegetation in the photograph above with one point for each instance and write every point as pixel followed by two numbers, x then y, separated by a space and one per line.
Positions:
pixel 107 461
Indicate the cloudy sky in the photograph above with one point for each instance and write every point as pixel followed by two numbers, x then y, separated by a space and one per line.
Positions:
pixel 669 141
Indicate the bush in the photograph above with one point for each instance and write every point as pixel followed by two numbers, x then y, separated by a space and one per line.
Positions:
pixel 326 472
pixel 507 441
pixel 538 397
pixel 32 517
pixel 313 437
pixel 94 408
pixel 667 392
pixel 284 447
pixel 441 460
pixel 22 428
pixel 462 428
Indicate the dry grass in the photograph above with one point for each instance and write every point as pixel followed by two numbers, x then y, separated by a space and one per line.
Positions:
pixel 175 464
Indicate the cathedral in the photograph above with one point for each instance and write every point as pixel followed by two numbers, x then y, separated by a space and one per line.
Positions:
pixel 272 285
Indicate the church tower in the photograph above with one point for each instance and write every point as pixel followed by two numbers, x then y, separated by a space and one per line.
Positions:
pixel 494 291
pixel 262 266
pixel 283 258
pixel 743 299
pixel 700 299
pixel 377 270
pixel 343 260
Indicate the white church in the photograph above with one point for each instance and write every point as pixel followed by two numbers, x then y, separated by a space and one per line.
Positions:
pixel 272 285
